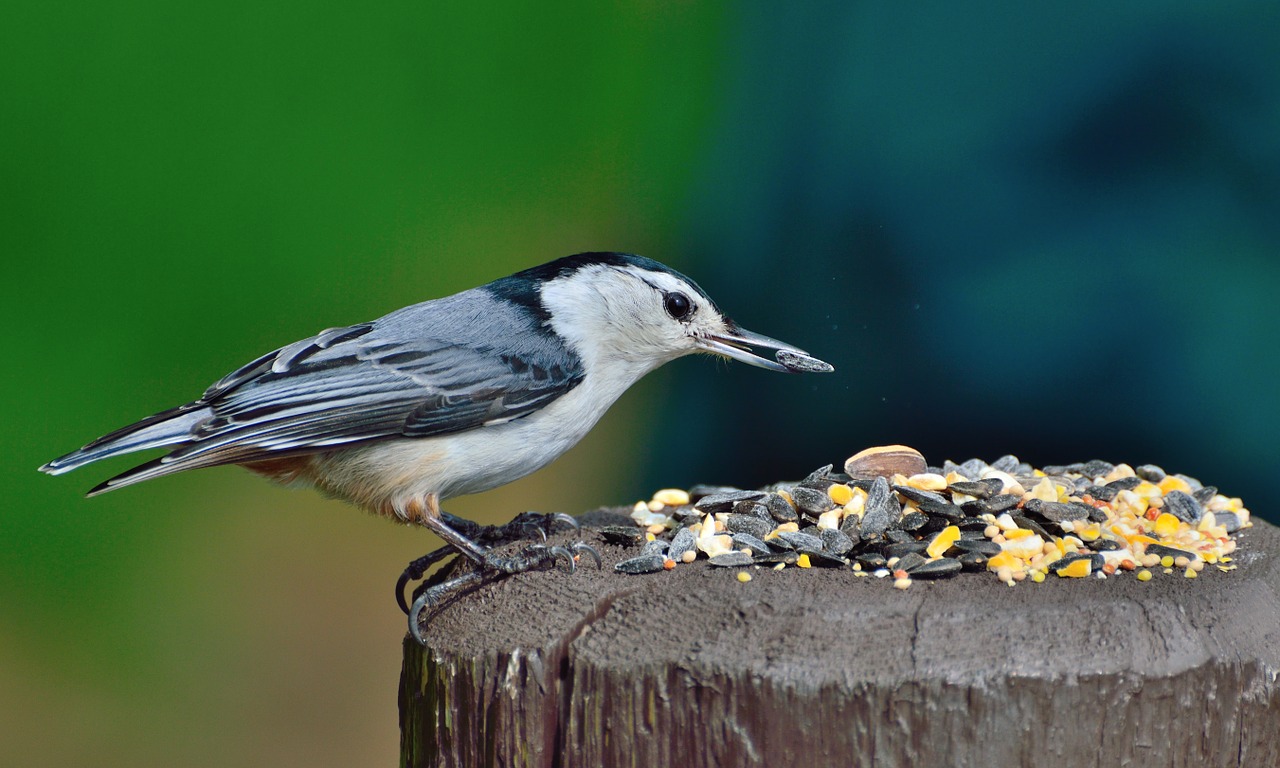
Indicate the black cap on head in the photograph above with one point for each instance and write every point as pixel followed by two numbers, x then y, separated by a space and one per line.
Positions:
pixel 522 287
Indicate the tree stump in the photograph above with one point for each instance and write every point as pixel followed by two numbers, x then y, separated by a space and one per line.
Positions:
pixel 814 667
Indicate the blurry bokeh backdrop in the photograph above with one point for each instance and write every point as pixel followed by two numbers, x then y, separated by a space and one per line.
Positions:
pixel 1042 229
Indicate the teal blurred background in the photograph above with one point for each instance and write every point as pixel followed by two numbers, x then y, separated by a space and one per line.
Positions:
pixel 1047 231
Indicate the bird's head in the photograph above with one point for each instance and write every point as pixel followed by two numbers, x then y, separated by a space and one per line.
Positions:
pixel 619 308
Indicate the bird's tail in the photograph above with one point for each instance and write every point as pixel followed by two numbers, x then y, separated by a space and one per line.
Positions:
pixel 170 427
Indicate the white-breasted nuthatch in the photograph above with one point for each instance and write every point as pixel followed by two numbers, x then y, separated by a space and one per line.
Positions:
pixel 449 397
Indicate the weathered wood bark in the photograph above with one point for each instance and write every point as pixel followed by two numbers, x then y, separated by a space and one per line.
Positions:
pixel 819 667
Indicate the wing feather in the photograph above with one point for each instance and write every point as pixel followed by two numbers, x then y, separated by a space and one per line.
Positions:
pixel 389 378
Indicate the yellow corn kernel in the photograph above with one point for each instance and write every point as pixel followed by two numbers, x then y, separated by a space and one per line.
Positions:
pixel 1018 533
pixel 1166 524
pixel 943 541
pixel 1171 483
pixel 781 528
pixel 1089 532
pixel 803 561
pixel 1077 569
pixel 1190 573
pixel 857 504
pixel 1146 490
pixel 841 494
pixel 1003 560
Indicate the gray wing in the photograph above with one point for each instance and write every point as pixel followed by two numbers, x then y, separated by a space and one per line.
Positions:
pixel 444 366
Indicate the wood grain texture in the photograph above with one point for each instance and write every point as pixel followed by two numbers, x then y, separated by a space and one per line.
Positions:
pixel 814 667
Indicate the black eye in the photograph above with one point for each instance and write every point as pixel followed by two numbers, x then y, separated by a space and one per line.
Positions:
pixel 678 305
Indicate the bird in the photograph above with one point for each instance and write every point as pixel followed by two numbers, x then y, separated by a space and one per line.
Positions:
pixel 449 397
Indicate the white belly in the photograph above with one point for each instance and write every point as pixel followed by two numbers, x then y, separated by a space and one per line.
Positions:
pixel 385 475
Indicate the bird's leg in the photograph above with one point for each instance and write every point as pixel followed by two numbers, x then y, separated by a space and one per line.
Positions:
pixel 428 513
pixel 491 535
pixel 491 564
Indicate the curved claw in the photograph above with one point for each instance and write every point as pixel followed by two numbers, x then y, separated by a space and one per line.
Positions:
pixel 567 555
pixel 401 583
pixel 571 521
pixel 537 527
pixel 583 547
pixel 416 570
pixel 415 626
pixel 433 595
pixel 556 553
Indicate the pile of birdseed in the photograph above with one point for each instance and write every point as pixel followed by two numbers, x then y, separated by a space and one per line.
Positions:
pixel 890 514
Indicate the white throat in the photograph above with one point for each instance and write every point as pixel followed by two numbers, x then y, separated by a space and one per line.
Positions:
pixel 597 319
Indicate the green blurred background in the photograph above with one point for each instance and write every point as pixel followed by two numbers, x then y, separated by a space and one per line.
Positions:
pixel 1047 231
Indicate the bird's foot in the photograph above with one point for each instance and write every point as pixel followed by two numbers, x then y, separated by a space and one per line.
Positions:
pixel 537 556
pixel 429 596
pixel 525 525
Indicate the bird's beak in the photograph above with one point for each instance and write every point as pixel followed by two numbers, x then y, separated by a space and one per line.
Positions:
pixel 737 343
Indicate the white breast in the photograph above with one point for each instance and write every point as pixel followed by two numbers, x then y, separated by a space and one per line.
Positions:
pixel 383 476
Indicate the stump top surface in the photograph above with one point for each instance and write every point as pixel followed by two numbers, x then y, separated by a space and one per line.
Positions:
pixel 820 626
